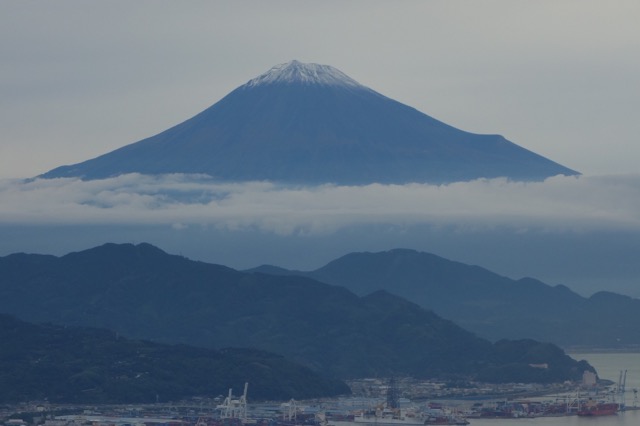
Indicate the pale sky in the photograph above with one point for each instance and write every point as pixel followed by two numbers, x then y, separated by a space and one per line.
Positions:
pixel 561 78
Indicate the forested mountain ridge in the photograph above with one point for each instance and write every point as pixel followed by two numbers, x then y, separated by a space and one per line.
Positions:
pixel 86 365
pixel 142 292
pixel 491 305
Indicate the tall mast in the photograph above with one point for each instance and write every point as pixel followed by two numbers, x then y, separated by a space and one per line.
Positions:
pixel 393 394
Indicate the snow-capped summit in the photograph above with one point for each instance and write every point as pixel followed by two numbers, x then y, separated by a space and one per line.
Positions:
pixel 312 124
pixel 296 72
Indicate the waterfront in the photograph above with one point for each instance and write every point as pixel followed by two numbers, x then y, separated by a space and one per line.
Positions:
pixel 608 366
pixel 628 418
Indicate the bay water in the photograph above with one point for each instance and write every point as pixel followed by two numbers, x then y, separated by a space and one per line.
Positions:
pixel 608 366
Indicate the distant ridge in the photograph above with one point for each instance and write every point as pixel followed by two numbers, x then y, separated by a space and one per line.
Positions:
pixel 142 292
pixel 488 304
pixel 309 124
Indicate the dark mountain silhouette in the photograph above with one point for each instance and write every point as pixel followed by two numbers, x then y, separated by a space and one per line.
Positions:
pixel 309 124
pixel 486 303
pixel 85 365
pixel 142 292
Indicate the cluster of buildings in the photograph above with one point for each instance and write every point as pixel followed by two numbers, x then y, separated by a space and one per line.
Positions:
pixel 235 411
pixel 415 389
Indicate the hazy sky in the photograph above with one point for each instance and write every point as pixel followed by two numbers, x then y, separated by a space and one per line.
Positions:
pixel 561 78
pixel 79 79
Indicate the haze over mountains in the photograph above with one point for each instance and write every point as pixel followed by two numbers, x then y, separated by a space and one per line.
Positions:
pixel 544 229
pixel 309 124
pixel 142 292
pixel 551 94
pixel 491 305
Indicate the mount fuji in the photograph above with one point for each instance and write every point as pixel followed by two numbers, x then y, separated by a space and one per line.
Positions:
pixel 311 124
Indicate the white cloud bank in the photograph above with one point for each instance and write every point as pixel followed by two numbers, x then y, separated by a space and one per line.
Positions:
pixel 580 231
pixel 180 201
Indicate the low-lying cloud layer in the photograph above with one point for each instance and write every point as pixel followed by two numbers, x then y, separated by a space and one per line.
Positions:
pixel 580 231
pixel 557 204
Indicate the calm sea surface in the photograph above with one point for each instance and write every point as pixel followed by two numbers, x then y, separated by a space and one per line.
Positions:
pixel 609 366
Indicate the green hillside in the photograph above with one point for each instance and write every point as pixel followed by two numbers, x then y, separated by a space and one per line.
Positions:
pixel 142 292
pixel 84 365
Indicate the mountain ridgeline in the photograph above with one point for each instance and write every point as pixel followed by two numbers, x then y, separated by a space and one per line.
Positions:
pixel 141 292
pixel 484 302
pixel 85 365
pixel 312 124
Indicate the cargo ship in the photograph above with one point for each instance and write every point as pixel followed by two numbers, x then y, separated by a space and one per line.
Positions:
pixel 593 408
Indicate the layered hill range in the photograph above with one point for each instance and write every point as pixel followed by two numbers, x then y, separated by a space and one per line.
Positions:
pixel 310 124
pixel 486 303
pixel 142 292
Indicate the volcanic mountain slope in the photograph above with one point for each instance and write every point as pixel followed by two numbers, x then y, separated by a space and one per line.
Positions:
pixel 310 124
pixel 491 305
pixel 142 292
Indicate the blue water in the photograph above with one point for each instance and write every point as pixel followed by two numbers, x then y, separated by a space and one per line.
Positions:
pixel 627 418
pixel 608 366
